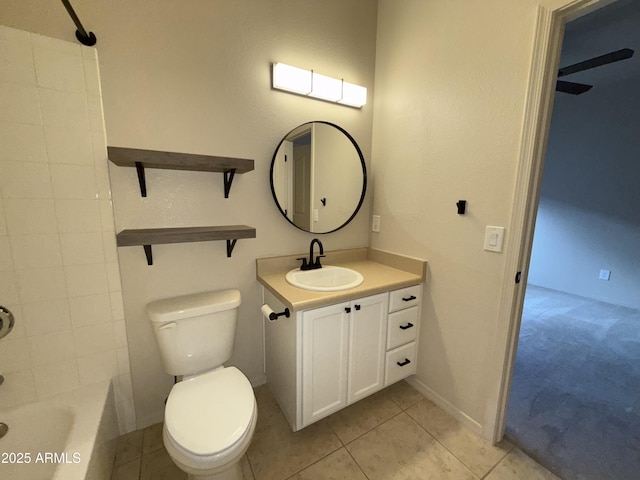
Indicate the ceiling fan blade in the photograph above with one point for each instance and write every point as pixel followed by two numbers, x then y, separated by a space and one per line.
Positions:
pixel 572 88
pixel 611 57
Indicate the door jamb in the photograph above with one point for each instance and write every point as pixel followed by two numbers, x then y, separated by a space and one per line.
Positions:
pixel 548 37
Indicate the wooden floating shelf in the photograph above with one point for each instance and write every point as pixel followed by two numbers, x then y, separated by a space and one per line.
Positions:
pixel 141 159
pixel 156 236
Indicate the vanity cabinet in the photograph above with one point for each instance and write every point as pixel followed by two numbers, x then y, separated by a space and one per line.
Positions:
pixel 318 361
pixel 342 354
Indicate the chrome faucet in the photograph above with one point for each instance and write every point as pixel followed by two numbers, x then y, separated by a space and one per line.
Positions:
pixel 312 264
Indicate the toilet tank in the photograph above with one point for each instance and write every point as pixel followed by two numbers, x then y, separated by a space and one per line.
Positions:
pixel 195 332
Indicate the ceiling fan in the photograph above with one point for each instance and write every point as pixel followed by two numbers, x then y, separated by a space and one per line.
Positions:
pixel 574 88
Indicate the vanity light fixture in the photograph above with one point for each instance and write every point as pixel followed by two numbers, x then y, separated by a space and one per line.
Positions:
pixel 312 84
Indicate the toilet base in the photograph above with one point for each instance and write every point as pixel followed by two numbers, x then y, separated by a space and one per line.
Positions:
pixel 232 473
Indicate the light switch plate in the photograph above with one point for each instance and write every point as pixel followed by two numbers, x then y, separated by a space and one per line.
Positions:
pixel 493 239
pixel 375 223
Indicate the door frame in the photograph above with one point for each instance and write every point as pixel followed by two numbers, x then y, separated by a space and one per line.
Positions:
pixel 549 32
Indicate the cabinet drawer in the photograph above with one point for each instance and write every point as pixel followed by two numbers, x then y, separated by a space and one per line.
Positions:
pixel 403 327
pixel 405 298
pixel 400 363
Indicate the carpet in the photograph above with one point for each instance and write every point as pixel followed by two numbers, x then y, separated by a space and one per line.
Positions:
pixel 575 397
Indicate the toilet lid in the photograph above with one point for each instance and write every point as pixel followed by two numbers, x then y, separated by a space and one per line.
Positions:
pixel 211 412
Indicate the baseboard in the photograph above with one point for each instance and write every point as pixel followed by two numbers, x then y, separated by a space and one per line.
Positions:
pixel 258 380
pixel 463 418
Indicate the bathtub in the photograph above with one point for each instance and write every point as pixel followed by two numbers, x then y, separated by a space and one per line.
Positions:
pixel 67 437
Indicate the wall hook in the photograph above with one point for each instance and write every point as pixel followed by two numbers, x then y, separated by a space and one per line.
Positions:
pixel 462 206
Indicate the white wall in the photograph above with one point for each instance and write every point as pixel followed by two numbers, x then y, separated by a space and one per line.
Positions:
pixel 195 77
pixel 588 215
pixel 58 263
pixel 451 80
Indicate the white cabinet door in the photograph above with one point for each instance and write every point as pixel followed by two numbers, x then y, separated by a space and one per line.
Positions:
pixel 367 342
pixel 325 333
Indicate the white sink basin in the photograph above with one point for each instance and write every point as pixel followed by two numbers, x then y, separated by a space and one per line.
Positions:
pixel 325 279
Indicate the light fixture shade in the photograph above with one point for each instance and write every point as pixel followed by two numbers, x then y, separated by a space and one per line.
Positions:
pixel 292 79
pixel 353 95
pixel 326 88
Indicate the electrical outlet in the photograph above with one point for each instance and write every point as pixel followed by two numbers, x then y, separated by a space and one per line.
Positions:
pixel 605 274
pixel 375 223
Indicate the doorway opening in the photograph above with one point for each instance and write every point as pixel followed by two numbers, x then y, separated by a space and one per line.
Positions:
pixel 575 391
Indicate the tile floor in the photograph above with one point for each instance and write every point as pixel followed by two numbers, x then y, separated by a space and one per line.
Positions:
pixel 394 434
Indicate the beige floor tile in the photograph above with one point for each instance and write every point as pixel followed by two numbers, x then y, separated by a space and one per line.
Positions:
pixel 268 409
pixel 277 453
pixel 152 438
pixel 127 471
pixel 357 419
pixel 403 394
pixel 517 465
pixel 159 466
pixel 247 473
pixel 400 449
pixel 337 466
pixel 475 452
pixel 129 447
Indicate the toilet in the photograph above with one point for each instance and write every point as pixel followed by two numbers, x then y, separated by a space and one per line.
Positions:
pixel 211 413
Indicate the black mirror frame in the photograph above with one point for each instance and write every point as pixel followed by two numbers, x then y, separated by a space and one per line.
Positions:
pixel 364 176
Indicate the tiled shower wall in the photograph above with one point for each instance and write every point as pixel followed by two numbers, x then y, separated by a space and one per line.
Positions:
pixel 59 270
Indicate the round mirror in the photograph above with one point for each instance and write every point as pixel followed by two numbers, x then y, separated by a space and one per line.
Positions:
pixel 318 177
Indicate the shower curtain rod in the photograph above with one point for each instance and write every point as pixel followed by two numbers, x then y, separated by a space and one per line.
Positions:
pixel 88 39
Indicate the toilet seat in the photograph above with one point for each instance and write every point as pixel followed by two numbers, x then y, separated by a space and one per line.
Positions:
pixel 209 417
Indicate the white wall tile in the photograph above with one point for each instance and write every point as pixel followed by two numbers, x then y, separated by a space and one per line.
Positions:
pixel 110 248
pixel 22 143
pixel 78 215
pixel 18 387
pixel 97 366
pixel 56 378
pixel 55 347
pixel 9 288
pixel 17 62
pixel 90 310
pixel 82 248
pixel 3 223
pixel 117 306
pixel 106 216
pixel 113 275
pixel 120 332
pixel 122 354
pixel 74 182
pixel 46 317
pixel 64 109
pixel 59 70
pixel 103 184
pixel 19 104
pixel 14 35
pixel 14 354
pixel 35 251
pixel 91 76
pixel 6 260
pixel 86 279
pixel 94 339
pixel 25 180
pixel 123 387
pixel 41 284
pixel 40 41
pixel 30 216
pixel 68 145
pixel 96 120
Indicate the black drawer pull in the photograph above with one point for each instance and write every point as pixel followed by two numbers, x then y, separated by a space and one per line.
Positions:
pixel 402 364
pixel 408 299
pixel 347 309
pixel 357 307
pixel 408 325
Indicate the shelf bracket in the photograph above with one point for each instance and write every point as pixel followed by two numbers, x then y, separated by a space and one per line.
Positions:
pixel 141 178
pixel 228 179
pixel 148 254
pixel 230 245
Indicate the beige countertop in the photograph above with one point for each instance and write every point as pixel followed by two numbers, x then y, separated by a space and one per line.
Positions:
pixel 382 272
